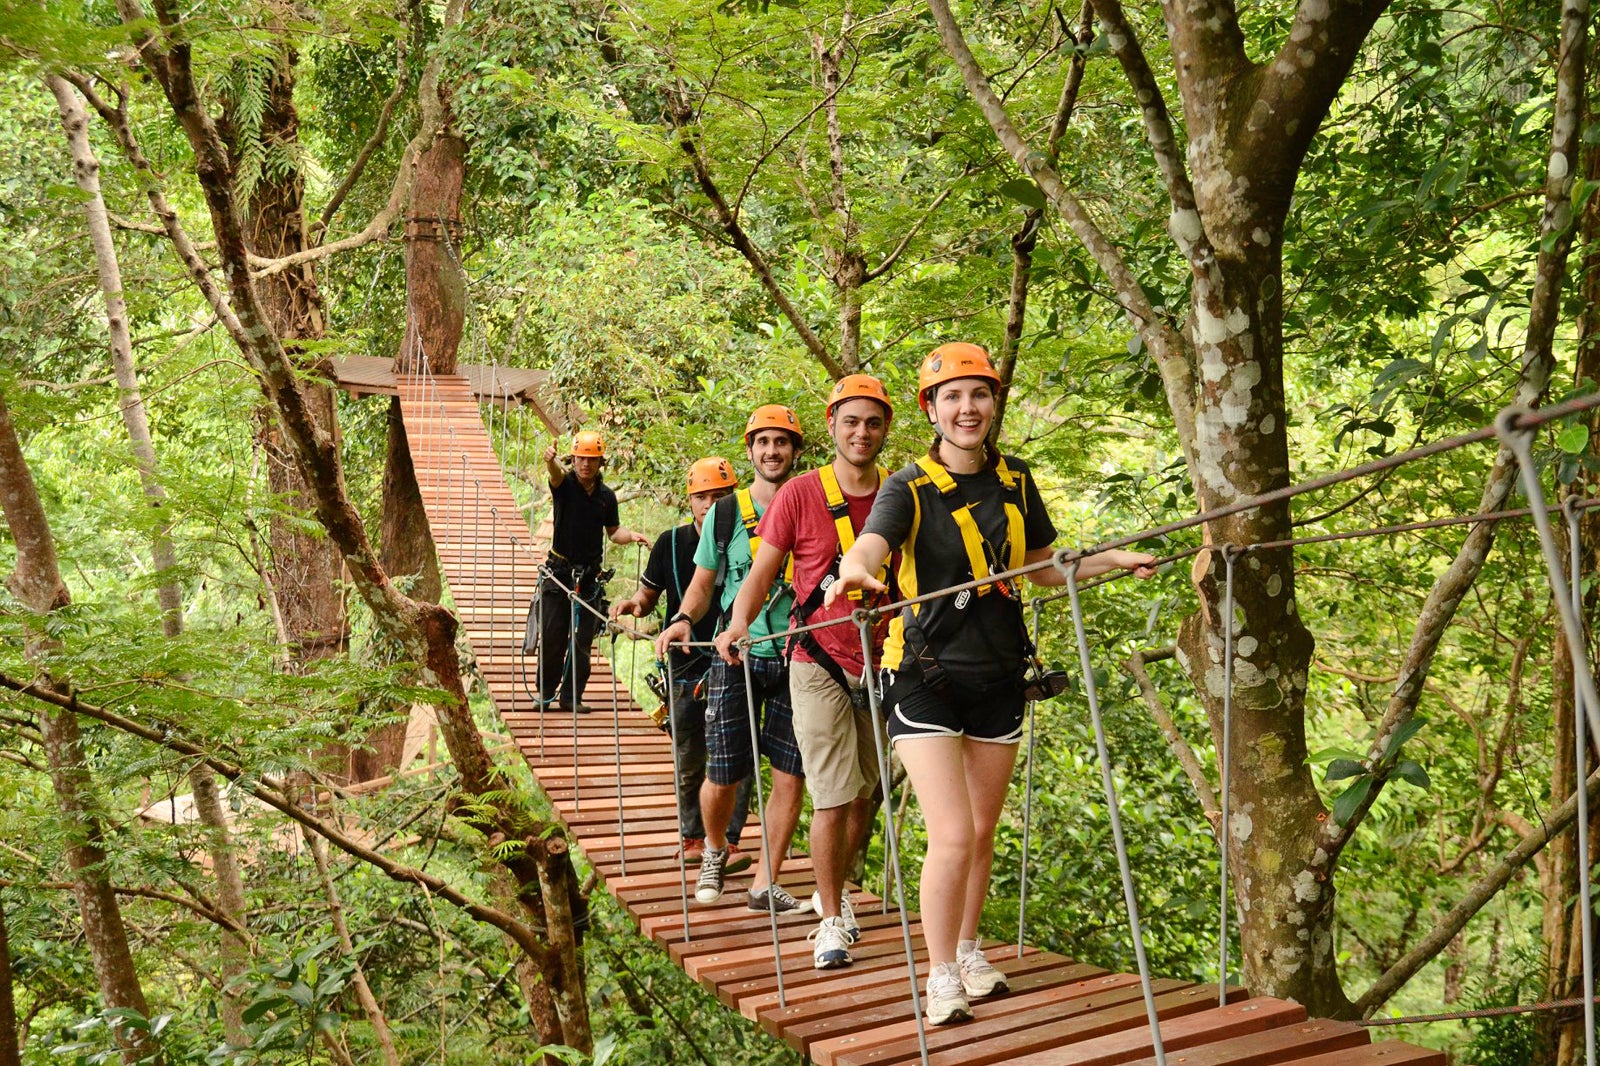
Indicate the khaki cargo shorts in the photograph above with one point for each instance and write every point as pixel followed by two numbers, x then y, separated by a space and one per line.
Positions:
pixel 835 739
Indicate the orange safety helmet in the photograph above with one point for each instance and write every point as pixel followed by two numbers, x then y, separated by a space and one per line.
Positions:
pixel 589 443
pixel 711 473
pixel 859 387
pixel 958 359
pixel 773 416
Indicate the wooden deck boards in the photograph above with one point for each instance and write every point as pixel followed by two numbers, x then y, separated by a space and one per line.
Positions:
pixel 1059 1012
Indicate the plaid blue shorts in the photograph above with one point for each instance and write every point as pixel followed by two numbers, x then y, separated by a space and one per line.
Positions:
pixel 728 756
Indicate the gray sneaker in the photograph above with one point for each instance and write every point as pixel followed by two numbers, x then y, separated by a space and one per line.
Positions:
pixel 781 901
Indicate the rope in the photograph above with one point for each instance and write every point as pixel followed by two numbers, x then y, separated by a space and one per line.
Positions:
pixel 1480 1012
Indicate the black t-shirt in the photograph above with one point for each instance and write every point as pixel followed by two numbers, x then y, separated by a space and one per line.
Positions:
pixel 979 636
pixel 669 571
pixel 581 520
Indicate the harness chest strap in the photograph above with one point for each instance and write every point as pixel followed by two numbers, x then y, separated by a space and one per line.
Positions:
pixel 839 511
pixel 971 537
pixel 747 515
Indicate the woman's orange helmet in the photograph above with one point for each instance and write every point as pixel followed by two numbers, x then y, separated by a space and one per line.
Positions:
pixel 859 387
pixel 773 416
pixel 589 443
pixel 711 473
pixel 948 362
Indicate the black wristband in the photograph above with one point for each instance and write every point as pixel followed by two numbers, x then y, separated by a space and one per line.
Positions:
pixel 680 617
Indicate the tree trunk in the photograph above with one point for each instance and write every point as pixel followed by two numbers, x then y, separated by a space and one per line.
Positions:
pixel 235 957
pixel 307 570
pixel 38 586
pixel 1562 930
pixel 10 1052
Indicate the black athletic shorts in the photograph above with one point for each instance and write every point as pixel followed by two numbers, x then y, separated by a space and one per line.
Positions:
pixel 989 711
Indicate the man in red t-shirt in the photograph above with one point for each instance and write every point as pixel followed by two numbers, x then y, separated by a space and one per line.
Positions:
pixel 816 517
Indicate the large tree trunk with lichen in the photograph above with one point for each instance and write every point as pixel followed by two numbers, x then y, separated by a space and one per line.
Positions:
pixel 37 584
pixel 1229 171
pixel 1240 449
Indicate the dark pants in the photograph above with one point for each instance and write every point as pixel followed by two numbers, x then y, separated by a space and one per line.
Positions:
pixel 689 739
pixel 556 645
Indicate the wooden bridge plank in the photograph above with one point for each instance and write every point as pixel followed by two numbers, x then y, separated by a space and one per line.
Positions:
pixel 883 1015
pixel 1330 1040
pixel 1180 1035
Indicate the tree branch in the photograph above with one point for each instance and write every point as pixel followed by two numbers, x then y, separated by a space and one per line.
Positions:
pixel 188 252
pixel 916 227
pixel 1135 667
pixel 379 134
pixel 1165 345
pixel 1158 129
pixel 275 794
pixel 682 117
pixel 198 907
pixel 1486 888
pixel 1538 362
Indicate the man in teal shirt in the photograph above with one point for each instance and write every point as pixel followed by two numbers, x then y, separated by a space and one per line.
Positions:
pixel 773 440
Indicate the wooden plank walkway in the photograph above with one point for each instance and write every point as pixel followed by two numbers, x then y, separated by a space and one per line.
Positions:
pixel 622 813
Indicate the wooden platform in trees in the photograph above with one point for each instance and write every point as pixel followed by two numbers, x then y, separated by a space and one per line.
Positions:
pixel 621 812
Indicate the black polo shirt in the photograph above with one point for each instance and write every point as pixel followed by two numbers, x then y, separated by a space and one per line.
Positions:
pixel 581 520
pixel 669 571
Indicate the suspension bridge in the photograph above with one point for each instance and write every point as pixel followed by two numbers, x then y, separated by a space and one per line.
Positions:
pixel 610 778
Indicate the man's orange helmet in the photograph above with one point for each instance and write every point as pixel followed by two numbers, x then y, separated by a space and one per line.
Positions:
pixel 859 387
pixel 589 443
pixel 948 362
pixel 711 473
pixel 773 416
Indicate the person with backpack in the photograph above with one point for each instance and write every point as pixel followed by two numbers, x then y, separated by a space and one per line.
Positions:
pixel 953 668
pixel 815 518
pixel 728 543
pixel 667 576
pixel 584 517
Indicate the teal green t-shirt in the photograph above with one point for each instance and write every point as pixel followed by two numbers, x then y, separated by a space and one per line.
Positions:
pixel 774 614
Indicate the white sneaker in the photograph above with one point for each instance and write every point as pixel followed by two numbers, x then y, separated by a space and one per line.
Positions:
pixel 832 944
pixel 978 977
pixel 947 999
pixel 847 912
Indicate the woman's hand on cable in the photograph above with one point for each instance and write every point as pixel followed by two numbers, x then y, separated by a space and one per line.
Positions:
pixel 627 606
pixel 851 579
pixel 727 642
pixel 676 633
pixel 1143 564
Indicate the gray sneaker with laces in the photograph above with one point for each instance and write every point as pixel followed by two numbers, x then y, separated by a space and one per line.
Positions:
pixel 847 912
pixel 781 902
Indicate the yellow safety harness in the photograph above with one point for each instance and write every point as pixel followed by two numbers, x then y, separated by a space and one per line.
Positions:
pixel 839 511
pixel 971 538
pixel 747 515
pixel 976 546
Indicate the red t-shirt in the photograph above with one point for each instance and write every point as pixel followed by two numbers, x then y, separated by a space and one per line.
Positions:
pixel 798 522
